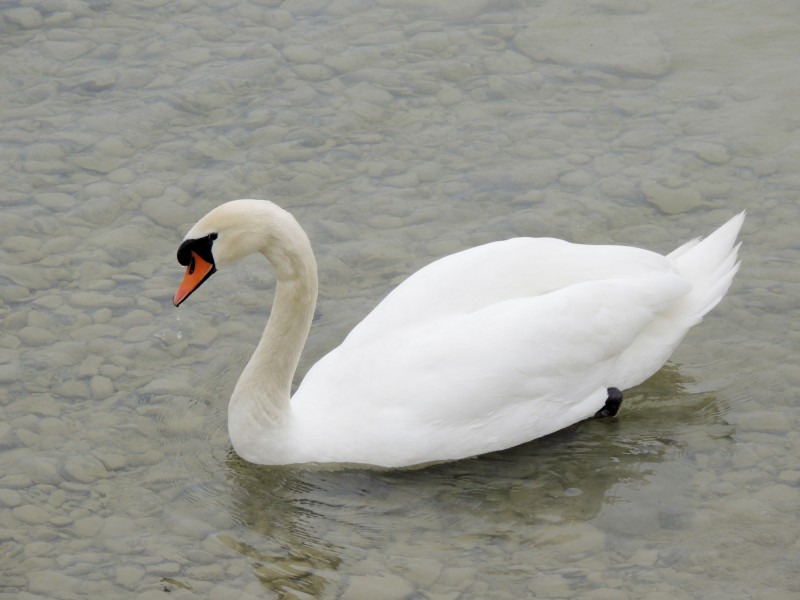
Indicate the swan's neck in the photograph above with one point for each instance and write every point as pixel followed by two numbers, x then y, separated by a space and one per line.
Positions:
pixel 260 401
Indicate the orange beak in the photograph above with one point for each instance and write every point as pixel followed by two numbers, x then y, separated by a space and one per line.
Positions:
pixel 197 271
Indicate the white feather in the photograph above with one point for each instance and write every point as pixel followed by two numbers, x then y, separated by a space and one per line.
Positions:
pixel 479 351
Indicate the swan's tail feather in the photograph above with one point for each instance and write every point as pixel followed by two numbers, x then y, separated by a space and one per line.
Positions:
pixel 709 264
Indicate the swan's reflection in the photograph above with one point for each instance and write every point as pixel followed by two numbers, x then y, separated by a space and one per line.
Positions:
pixel 310 521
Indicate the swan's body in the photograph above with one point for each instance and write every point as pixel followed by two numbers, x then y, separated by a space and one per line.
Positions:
pixel 479 351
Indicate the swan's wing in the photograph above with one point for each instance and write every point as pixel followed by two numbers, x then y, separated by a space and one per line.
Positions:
pixel 468 281
pixel 493 378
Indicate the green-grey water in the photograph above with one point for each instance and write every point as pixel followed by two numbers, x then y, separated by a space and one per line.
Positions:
pixel 396 132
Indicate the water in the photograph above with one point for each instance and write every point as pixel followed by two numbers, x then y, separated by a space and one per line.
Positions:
pixel 396 132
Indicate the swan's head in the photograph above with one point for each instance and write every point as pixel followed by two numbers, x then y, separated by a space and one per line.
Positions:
pixel 233 231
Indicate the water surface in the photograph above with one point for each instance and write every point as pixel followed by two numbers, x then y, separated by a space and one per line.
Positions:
pixel 396 132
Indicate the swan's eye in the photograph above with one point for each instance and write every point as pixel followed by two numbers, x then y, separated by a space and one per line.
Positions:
pixel 200 246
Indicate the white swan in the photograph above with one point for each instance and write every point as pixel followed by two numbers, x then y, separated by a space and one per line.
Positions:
pixel 479 351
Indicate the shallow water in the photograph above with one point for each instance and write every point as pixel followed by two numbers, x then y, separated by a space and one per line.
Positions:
pixel 396 132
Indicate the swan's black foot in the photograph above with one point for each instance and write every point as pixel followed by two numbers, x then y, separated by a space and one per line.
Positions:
pixel 612 404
